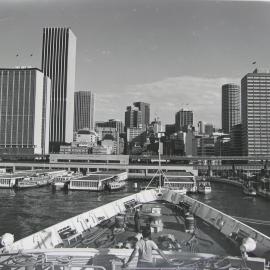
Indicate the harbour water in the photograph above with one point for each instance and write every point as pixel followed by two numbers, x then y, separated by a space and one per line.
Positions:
pixel 25 212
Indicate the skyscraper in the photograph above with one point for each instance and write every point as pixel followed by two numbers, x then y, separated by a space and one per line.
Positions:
pixel 84 110
pixel 111 123
pixel 230 106
pixel 255 101
pixel 58 63
pixel 145 109
pixel 183 119
pixel 24 111
pixel 133 118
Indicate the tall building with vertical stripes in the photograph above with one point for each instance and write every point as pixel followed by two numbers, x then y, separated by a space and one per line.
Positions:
pixel 230 106
pixel 58 63
pixel 255 109
pixel 24 111
pixel 84 110
pixel 183 119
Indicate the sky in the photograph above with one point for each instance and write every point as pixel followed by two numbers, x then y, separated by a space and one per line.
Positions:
pixel 172 54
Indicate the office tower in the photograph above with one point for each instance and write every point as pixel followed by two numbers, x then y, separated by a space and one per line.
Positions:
pixel 145 109
pixel 84 110
pixel 209 129
pixel 58 63
pixel 111 123
pixel 255 97
pixel 24 111
pixel 183 119
pixel 133 118
pixel 201 127
pixel 236 140
pixel 230 106
pixel 169 129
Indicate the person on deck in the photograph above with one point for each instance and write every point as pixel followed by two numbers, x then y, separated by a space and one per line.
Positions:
pixel 137 221
pixel 144 247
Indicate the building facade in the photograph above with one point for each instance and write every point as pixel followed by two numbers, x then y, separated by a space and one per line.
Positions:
pixel 24 111
pixel 255 101
pixel 183 119
pixel 145 109
pixel 111 123
pixel 58 63
pixel 230 110
pixel 84 110
pixel 86 137
pixel 236 140
pixel 133 118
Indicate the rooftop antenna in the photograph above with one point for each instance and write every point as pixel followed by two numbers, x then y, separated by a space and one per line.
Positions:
pixel 254 63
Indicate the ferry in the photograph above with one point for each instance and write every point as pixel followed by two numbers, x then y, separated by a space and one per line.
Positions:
pixel 248 188
pixel 10 180
pixel 37 180
pixel 263 188
pixel 100 181
pixel 62 181
pixel 204 187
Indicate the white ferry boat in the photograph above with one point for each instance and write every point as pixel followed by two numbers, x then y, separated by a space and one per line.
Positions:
pixel 37 180
pixel 10 180
pixel 100 181
pixel 263 188
pixel 204 187
pixel 62 181
pixel 248 188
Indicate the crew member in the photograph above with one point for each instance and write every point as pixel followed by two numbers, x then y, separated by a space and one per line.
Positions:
pixel 144 247
pixel 137 220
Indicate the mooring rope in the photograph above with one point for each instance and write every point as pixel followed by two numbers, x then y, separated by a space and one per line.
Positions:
pixel 253 221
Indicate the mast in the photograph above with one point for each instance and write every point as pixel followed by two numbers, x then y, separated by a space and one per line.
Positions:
pixel 159 159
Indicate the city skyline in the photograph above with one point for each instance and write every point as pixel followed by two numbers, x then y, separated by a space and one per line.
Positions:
pixel 166 55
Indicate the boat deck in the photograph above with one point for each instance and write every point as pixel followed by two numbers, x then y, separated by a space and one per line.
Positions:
pixel 109 244
pixel 121 233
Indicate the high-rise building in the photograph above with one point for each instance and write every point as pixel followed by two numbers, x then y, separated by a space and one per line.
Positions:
pixel 58 63
pixel 230 106
pixel 145 109
pixel 24 111
pixel 236 140
pixel 255 101
pixel 209 129
pixel 169 129
pixel 84 110
pixel 201 127
pixel 183 119
pixel 111 123
pixel 133 118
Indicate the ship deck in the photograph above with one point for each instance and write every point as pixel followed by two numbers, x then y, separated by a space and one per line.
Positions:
pixel 110 243
pixel 120 232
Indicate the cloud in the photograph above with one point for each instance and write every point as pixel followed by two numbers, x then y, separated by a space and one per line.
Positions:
pixel 167 96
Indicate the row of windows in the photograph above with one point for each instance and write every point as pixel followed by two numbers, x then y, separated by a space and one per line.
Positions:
pixel 84 184
pixel 4 181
